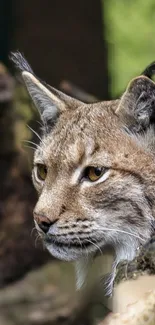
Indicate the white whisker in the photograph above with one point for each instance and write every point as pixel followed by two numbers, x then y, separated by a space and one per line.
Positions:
pixel 35 133
pixel 40 123
pixel 79 241
pixel 36 240
pixel 82 245
pixel 32 231
pixel 25 146
pixel 95 245
pixel 31 142
pixel 122 231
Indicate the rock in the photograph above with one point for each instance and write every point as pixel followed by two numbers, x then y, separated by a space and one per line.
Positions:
pixel 43 297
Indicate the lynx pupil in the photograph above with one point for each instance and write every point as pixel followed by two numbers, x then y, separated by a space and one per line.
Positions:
pixel 93 173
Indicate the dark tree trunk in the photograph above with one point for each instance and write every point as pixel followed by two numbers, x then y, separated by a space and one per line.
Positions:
pixel 63 40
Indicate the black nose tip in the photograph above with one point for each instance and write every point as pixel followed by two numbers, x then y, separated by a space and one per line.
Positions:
pixel 45 226
pixel 43 222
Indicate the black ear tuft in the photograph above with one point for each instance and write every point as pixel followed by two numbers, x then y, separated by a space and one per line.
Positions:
pixel 20 62
pixel 149 71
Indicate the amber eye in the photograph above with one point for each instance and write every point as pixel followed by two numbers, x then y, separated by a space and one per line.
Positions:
pixel 93 173
pixel 41 171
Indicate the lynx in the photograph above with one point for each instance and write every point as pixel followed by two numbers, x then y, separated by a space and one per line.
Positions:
pixel 94 170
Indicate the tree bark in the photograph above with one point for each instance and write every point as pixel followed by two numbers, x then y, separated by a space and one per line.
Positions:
pixel 134 291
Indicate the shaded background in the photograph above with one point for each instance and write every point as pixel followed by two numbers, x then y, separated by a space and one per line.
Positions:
pixel 81 47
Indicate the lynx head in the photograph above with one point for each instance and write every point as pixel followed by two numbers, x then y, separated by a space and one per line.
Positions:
pixel 94 170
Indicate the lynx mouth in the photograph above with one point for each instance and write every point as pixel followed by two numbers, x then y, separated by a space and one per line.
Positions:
pixel 71 250
pixel 69 244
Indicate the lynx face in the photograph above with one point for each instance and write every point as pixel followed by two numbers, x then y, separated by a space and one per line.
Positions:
pixel 94 170
pixel 92 192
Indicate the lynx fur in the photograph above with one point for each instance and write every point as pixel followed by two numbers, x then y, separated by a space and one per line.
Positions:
pixel 79 218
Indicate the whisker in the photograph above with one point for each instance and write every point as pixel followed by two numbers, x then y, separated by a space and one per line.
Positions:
pixel 95 242
pixel 32 231
pixel 82 245
pixel 31 142
pixel 44 246
pixel 95 245
pixel 37 146
pixel 41 124
pixel 38 136
pixel 36 240
pixel 79 240
pixel 25 146
pixel 122 231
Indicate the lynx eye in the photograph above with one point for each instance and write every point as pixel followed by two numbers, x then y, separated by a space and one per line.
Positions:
pixel 93 173
pixel 41 171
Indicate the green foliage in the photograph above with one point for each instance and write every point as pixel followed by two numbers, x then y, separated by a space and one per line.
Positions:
pixel 130 32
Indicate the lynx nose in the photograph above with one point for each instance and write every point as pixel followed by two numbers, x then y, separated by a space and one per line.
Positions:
pixel 43 222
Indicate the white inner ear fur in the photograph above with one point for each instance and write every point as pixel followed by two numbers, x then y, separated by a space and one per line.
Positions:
pixel 34 85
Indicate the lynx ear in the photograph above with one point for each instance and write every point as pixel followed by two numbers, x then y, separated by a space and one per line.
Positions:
pixel 149 70
pixel 49 101
pixel 137 105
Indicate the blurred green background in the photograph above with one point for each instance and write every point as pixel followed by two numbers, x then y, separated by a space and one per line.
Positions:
pixel 130 32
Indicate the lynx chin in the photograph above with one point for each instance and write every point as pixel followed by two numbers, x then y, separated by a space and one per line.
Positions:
pixel 94 170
